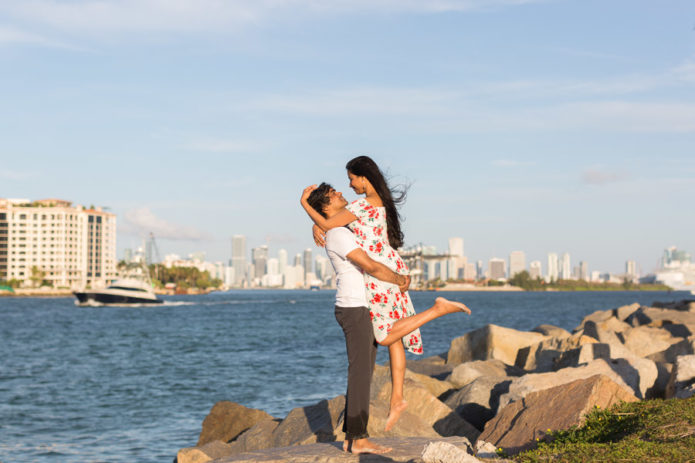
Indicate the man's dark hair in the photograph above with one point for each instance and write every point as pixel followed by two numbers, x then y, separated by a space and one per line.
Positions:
pixel 318 199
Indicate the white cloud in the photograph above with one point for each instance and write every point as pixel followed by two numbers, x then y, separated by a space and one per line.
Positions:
pixel 14 36
pixel 142 222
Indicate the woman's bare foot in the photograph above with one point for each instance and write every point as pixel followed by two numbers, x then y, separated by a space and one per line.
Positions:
pixel 395 413
pixel 446 306
pixel 358 446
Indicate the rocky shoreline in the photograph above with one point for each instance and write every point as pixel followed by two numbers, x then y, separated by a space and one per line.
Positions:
pixel 496 388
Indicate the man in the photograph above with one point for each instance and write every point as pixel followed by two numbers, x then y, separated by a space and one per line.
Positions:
pixel 351 312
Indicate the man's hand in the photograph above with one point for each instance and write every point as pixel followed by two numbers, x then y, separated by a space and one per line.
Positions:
pixel 405 283
pixel 319 236
pixel 305 194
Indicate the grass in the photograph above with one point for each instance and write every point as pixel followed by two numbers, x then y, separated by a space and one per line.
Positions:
pixel 646 431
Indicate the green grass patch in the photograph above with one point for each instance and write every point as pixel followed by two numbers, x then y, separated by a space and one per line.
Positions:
pixel 646 431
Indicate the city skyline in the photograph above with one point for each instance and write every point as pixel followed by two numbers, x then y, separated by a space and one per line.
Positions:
pixel 515 128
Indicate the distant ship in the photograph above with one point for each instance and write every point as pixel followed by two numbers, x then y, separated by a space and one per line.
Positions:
pixel 126 291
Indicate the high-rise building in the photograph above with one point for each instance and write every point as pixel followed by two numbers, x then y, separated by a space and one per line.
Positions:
pixel 298 260
pixel 238 260
pixel 631 269
pixel 565 267
pixel 469 271
pixel 259 258
pixel 50 240
pixel 583 271
pixel 534 269
pixel 456 247
pixel 282 261
pixel 553 270
pixel 517 263
pixel 479 273
pixel 307 261
pixel 497 268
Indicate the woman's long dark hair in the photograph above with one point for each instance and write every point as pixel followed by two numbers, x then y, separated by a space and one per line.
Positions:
pixel 364 166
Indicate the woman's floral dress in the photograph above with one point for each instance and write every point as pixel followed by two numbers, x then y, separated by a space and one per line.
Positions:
pixel 386 303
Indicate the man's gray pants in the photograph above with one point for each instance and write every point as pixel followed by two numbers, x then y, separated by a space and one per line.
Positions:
pixel 361 352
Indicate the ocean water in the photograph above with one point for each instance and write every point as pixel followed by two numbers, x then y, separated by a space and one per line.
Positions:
pixel 115 384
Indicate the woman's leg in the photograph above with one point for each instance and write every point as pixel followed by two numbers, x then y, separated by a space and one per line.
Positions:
pixel 406 325
pixel 398 403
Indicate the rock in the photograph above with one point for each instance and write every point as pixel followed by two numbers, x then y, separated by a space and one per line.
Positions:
pixel 306 425
pixel 491 342
pixel 408 449
pixel 431 410
pixel 659 317
pixel 484 449
pixel 466 373
pixel 684 347
pixel 552 331
pixel 204 453
pixel 682 382
pixel 258 437
pixel 443 452
pixel 647 340
pixel 543 355
pixel 646 369
pixel 519 424
pixel 687 305
pixel 227 420
pixel 601 331
pixel 619 371
pixel 477 401
pixel 621 313
pixel 434 366
pixel 596 317
pixel 382 376
pixel 662 379
pixel 408 424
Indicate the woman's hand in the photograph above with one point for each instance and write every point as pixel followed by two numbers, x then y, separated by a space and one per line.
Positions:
pixel 319 236
pixel 406 283
pixel 305 195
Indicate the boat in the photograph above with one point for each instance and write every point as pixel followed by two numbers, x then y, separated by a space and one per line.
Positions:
pixel 120 292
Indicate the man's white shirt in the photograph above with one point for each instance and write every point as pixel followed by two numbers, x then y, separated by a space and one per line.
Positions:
pixel 349 279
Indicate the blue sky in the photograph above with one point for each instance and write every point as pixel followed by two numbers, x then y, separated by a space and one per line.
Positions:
pixel 543 126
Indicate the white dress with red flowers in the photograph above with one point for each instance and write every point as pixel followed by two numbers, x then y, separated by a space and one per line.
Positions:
pixel 386 303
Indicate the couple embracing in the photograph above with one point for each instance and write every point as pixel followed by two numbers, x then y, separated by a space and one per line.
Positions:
pixel 372 303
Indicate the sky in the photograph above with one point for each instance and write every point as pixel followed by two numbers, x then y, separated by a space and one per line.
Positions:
pixel 534 125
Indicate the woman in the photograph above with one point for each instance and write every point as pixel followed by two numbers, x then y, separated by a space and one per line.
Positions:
pixel 375 222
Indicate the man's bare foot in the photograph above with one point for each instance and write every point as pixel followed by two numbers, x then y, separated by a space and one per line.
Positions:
pixel 446 306
pixel 395 413
pixel 358 446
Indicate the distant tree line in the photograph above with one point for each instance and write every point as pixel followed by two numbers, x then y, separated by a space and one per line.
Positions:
pixel 183 277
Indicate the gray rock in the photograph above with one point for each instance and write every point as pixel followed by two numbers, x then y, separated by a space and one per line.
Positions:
pixel 466 373
pixel 596 317
pixel 204 453
pixel 552 331
pixel 305 425
pixel 648 340
pixel 491 342
pixel 258 437
pixel 686 305
pixel 682 382
pixel 434 366
pixel 544 355
pixel 621 313
pixel 227 420
pixel 444 452
pixel 477 402
pixel 669 355
pixel 653 316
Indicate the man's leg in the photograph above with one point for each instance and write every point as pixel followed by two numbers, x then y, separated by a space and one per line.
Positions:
pixel 361 353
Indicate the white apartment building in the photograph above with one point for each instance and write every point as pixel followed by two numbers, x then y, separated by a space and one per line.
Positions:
pixel 517 263
pixel 553 270
pixel 72 246
pixel 534 269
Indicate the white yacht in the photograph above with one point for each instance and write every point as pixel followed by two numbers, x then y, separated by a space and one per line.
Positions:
pixel 125 291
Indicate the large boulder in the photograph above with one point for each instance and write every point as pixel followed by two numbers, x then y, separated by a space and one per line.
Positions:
pixel 619 371
pixel 382 377
pixel 519 424
pixel 408 425
pixel 604 331
pixel 425 405
pixel 621 313
pixel 552 331
pixel 477 401
pixel 648 340
pixel 434 366
pixel 658 317
pixel 687 305
pixel 669 355
pixel 468 372
pixel 227 420
pixel 307 425
pixel 682 382
pixel 204 453
pixel 596 317
pixel 258 437
pixel 491 342
pixel 444 452
pixel 542 356
pixel 645 369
